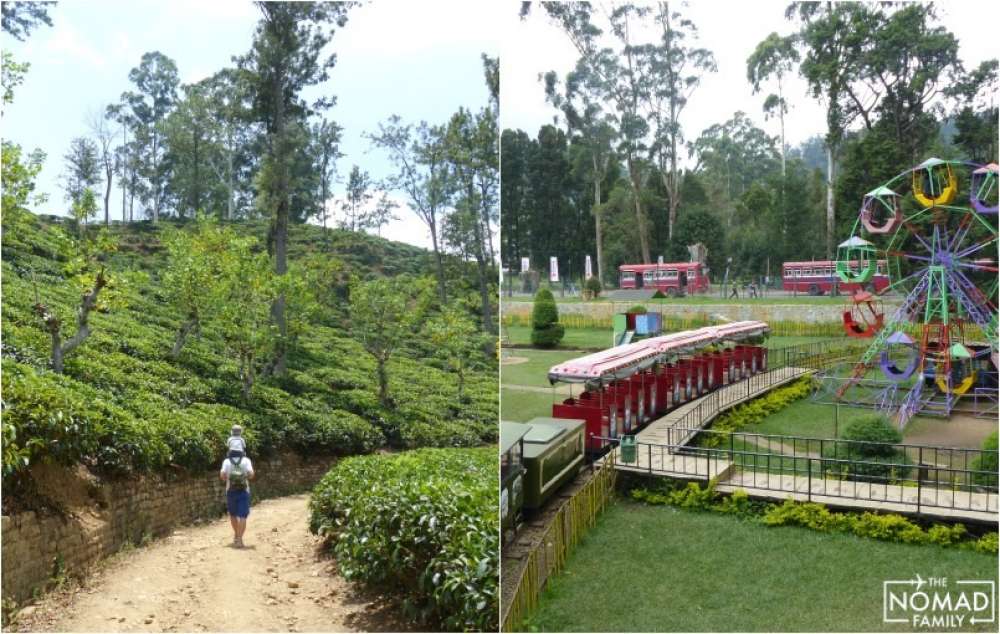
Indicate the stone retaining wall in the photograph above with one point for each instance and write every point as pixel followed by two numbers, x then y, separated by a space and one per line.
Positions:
pixel 130 511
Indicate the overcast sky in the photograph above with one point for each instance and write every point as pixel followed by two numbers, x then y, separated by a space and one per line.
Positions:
pixel 731 30
pixel 418 60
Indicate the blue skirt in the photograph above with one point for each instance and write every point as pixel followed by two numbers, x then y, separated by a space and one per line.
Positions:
pixel 238 503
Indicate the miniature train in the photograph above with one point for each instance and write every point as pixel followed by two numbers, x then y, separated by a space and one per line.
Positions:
pixel 625 388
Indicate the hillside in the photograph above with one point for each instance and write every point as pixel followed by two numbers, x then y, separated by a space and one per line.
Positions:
pixel 124 405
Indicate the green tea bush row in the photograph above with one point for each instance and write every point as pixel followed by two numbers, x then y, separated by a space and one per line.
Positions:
pixel 423 523
pixel 886 527
pixel 757 410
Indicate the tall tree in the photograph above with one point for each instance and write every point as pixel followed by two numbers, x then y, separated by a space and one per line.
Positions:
pixel 418 152
pixel 287 57
pixel 596 133
pixel 357 196
pixel 833 35
pixel 675 71
pixel 83 168
pixel 326 151
pixel 156 82
pixel 776 57
pixel 105 135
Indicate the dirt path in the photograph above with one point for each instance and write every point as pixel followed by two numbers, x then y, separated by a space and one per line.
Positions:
pixel 194 580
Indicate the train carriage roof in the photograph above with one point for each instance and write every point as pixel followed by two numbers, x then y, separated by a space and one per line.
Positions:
pixel 624 361
pixel 510 433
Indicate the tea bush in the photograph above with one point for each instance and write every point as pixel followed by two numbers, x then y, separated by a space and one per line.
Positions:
pixel 421 522
pixel 124 405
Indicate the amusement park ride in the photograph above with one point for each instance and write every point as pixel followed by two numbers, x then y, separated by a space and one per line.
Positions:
pixel 935 228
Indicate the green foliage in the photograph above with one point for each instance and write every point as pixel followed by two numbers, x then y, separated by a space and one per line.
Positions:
pixel 18 175
pixel 882 526
pixel 421 522
pixel 546 331
pixel 638 309
pixel 986 462
pixel 594 286
pixel 124 404
pixel 757 410
pixel 870 448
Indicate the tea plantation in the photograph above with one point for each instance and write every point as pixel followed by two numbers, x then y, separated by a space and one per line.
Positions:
pixel 124 404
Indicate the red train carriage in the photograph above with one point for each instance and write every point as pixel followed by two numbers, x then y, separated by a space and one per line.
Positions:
pixel 818 277
pixel 670 278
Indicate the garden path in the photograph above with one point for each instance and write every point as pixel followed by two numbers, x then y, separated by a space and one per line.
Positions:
pixel 194 580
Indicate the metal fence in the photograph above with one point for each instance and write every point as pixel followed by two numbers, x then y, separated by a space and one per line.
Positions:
pixel 921 477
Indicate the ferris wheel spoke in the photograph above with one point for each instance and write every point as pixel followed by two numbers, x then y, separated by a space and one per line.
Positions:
pixel 976 267
pixel 916 274
pixel 975 247
pixel 961 232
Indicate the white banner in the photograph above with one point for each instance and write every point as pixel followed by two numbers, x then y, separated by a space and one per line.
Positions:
pixel 553 269
pixel 589 272
pixel 659 260
pixel 525 265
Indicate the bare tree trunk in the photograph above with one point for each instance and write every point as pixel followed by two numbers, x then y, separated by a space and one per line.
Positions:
pixel 597 220
pixel 54 326
pixel 781 118
pixel 109 171
pixel 830 210
pixel 440 262
pixel 188 327
pixel 640 216
pixel 383 382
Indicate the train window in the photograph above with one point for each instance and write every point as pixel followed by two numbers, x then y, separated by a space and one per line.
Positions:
pixel 647 276
pixel 661 274
pixel 628 276
pixel 671 273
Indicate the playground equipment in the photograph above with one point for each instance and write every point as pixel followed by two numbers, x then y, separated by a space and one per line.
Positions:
pixel 939 248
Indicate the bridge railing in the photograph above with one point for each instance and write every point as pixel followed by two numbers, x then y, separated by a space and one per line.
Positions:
pixel 915 475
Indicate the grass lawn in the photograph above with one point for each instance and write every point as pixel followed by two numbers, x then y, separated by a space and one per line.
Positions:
pixel 586 338
pixel 519 406
pixel 655 568
pixel 535 370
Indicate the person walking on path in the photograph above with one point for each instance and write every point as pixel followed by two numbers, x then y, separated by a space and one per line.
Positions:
pixel 237 472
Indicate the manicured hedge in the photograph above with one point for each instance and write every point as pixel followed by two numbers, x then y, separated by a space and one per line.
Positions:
pixel 546 331
pixel 423 523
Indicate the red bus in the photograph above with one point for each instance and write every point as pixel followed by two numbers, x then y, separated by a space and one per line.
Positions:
pixel 819 276
pixel 671 278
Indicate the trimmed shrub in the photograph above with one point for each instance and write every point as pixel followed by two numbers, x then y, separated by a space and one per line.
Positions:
pixel 638 309
pixel 423 523
pixel 873 456
pixel 594 286
pixel 546 331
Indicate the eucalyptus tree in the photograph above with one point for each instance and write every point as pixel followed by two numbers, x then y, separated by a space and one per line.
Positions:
pixel 419 155
pixel 190 138
pixel 676 66
pixel 287 56
pixel 596 135
pixel 776 57
pixel 617 77
pixel 156 81
pixel 470 148
pixel 104 133
pixel 833 36
pixel 326 136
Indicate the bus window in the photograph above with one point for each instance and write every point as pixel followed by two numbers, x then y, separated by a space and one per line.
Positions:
pixel 661 274
pixel 671 273
pixel 647 276
pixel 628 276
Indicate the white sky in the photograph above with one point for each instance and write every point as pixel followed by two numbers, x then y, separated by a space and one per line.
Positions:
pixel 731 30
pixel 418 60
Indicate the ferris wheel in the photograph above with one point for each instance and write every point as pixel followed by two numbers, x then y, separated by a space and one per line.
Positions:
pixel 932 230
